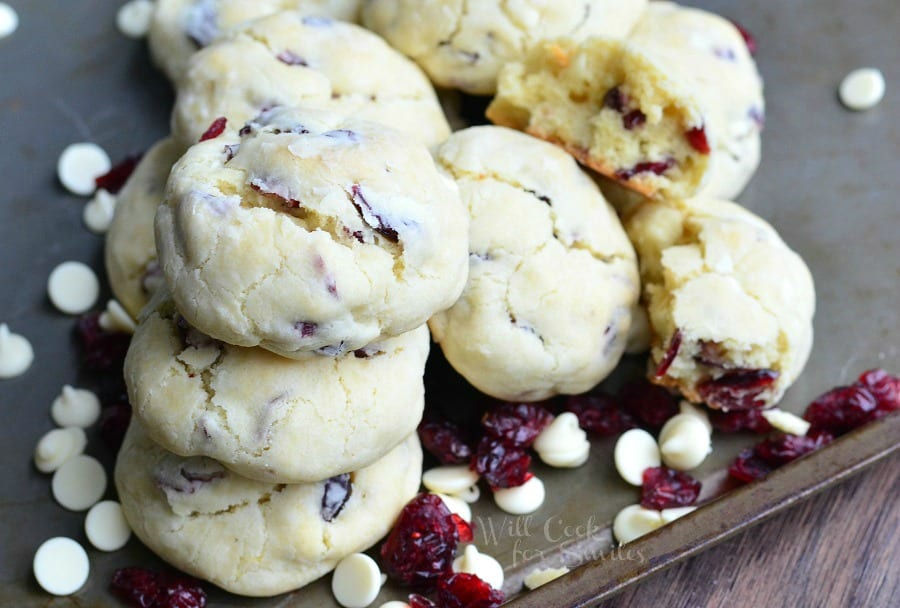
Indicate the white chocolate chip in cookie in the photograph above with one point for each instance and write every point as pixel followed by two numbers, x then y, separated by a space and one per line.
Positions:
pixel 61 566
pixel 485 567
pixel 563 443
pixel 75 407
pixel 523 499
pixel 786 421
pixel 356 581
pixel 684 442
pixel 635 452
pixel 58 446
pixel 862 89
pixel 73 287
pixel 80 165
pixel 16 353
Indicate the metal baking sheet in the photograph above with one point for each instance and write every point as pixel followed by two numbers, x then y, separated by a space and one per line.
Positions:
pixel 828 183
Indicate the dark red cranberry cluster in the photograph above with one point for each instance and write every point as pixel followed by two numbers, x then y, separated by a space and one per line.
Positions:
pixel 665 488
pixel 113 180
pixel 143 588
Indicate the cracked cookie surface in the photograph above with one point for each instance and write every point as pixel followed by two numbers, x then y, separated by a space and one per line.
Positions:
pixel 730 304
pixel 552 276
pixel 464 43
pixel 130 251
pixel 311 234
pixel 255 538
pixel 182 27
pixel 267 417
pixel 673 111
pixel 287 59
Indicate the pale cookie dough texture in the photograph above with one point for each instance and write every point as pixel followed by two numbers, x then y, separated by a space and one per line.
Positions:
pixel 287 60
pixel 182 27
pixel 254 538
pixel 311 233
pixel 552 275
pixel 463 44
pixel 730 305
pixel 267 417
pixel 130 251
pixel 674 111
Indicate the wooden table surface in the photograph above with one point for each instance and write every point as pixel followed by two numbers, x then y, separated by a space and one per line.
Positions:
pixel 841 548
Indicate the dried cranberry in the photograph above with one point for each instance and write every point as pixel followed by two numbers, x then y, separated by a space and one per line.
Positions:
pixel 697 138
pixel 739 389
pixel 783 448
pixel 665 488
pixel 884 387
pixel 464 590
pixel 101 350
pixel 651 405
pixel 747 36
pixel 291 58
pixel 420 601
pixel 615 100
pixel 741 420
pixel 114 423
pixel 501 465
pixel 215 129
pixel 138 587
pixel 375 221
pixel 633 120
pixel 748 466
pixel 671 353
pixel 113 180
pixel 842 409
pixel 712 354
pixel 656 167
pixel 335 495
pixel 599 414
pixel 180 592
pixel 445 441
pixel 421 546
pixel 516 424
pixel 463 528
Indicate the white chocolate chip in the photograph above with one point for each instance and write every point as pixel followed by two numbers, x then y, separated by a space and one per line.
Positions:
pixel 523 499
pixel 73 287
pixel 563 443
pixel 106 526
pixel 98 213
pixel 58 446
pixel 470 494
pixel 485 567
pixel 639 334
pixel 686 407
pixel 787 422
pixel 75 407
pixel 684 442
pixel 394 604
pixel 862 89
pixel 80 165
pixel 9 20
pixel 16 353
pixel 116 318
pixel 542 576
pixel 451 479
pixel 635 452
pixel 79 483
pixel 456 505
pixel 61 566
pixel 670 515
pixel 634 521
pixel 356 581
pixel 133 18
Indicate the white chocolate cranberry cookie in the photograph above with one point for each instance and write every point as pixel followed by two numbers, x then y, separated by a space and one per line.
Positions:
pixel 552 275
pixel 674 111
pixel 463 44
pixel 287 60
pixel 267 417
pixel 730 305
pixel 311 233
pixel 130 249
pixel 255 538
pixel 182 27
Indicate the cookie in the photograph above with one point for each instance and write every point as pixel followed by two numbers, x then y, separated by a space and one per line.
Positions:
pixel 463 45
pixel 287 59
pixel 730 305
pixel 552 275
pixel 267 417
pixel 311 233
pixel 674 111
pixel 130 252
pixel 254 538
pixel 182 27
